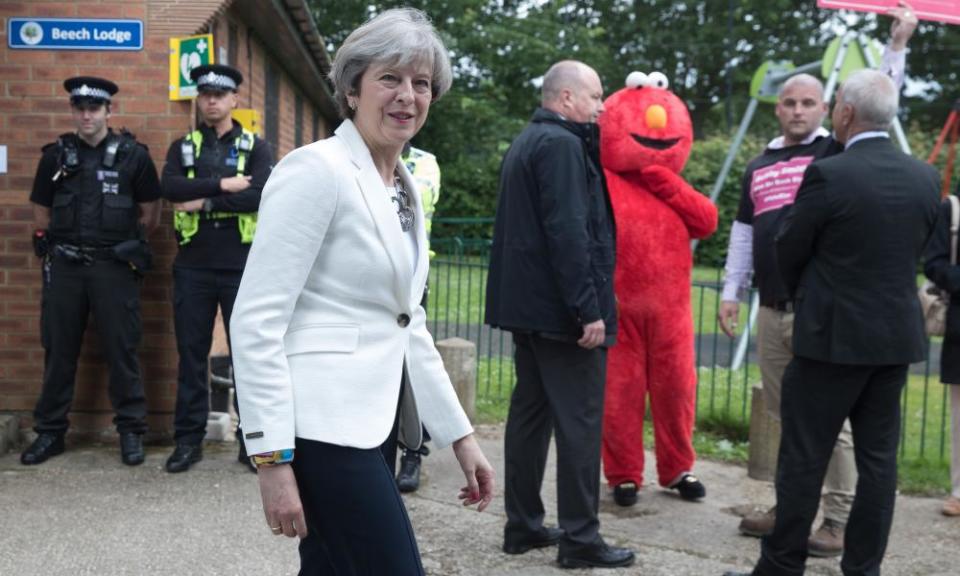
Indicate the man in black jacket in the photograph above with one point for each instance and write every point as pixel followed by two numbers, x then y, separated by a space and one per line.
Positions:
pixel 213 177
pixel 551 284
pixel 848 253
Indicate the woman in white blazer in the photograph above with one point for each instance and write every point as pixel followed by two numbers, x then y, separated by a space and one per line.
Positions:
pixel 327 321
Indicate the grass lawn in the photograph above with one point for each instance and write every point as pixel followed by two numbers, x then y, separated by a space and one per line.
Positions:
pixel 723 415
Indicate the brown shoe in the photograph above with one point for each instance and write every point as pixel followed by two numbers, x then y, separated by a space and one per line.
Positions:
pixel 759 524
pixel 827 541
pixel 951 507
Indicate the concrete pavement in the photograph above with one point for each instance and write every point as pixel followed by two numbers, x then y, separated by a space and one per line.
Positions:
pixel 84 513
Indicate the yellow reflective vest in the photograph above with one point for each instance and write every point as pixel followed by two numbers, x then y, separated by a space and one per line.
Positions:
pixel 426 173
pixel 187 223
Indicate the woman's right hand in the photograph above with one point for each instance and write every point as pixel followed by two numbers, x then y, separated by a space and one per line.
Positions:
pixel 281 501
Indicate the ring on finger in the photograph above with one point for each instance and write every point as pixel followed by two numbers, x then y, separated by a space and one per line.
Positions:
pixel 276 529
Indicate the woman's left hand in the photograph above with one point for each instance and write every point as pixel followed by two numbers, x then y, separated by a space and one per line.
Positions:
pixel 479 473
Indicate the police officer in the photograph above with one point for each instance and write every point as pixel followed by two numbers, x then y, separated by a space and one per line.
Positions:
pixel 95 198
pixel 213 177
pixel 426 172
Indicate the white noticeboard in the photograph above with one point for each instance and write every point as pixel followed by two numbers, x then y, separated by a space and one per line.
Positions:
pixel 3 159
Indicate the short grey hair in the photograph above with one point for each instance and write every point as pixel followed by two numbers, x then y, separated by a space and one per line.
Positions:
pixel 564 75
pixel 802 79
pixel 400 36
pixel 873 96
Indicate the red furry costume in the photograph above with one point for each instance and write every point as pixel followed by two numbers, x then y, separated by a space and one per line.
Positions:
pixel 645 139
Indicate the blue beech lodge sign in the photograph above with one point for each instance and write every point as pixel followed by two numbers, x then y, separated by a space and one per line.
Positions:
pixel 74 34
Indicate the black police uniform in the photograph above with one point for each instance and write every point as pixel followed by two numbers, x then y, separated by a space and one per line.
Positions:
pixel 208 267
pixel 92 193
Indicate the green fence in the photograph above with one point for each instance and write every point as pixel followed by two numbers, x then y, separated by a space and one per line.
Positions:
pixel 458 277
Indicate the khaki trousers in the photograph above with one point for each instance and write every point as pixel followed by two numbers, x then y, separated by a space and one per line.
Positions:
pixel 775 349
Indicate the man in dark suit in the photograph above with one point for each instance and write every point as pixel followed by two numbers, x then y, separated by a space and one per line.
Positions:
pixel 848 254
pixel 551 285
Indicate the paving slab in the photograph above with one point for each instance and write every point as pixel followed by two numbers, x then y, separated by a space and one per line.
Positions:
pixel 85 513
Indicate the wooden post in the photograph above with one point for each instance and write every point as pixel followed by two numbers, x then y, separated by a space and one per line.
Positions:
pixel 460 360
pixel 764 439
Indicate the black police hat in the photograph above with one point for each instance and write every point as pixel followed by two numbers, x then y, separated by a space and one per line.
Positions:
pixel 216 77
pixel 90 89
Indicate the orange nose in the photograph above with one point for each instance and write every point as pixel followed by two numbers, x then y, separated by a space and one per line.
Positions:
pixel 656 117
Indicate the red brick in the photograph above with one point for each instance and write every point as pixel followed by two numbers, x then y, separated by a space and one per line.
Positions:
pixel 136 13
pixel 101 11
pixel 12 261
pixel 30 56
pixel 151 106
pixel 34 121
pixel 22 277
pixel 16 246
pixel 26 88
pixel 14 72
pixel 13 324
pixel 8 229
pixel 14 356
pixel 55 74
pixel 12 8
pixel 49 105
pixel 14 105
pixel 52 9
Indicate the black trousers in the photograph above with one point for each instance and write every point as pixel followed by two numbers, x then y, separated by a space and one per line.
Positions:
pixel 71 291
pixel 559 389
pixel 817 397
pixel 357 524
pixel 197 293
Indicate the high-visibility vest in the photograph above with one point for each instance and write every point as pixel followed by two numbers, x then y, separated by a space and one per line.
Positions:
pixel 426 173
pixel 188 223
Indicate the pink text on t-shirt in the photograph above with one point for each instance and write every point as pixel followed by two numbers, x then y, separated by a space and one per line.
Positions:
pixel 775 186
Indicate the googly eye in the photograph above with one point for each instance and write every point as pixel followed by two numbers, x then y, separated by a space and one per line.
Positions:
pixel 637 80
pixel 658 80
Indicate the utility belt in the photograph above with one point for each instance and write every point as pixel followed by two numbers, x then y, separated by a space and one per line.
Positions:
pixel 78 254
pixel 136 253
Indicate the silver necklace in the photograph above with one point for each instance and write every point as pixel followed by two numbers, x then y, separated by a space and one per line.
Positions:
pixel 402 199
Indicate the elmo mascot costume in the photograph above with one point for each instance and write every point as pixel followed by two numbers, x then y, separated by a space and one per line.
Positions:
pixel 645 139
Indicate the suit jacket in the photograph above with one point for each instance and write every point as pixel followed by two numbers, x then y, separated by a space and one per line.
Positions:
pixel 328 314
pixel 848 252
pixel 946 275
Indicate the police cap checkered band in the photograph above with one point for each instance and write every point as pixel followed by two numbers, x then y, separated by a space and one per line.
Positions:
pixel 216 77
pixel 90 88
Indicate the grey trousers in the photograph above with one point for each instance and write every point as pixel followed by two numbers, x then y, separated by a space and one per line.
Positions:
pixel 775 348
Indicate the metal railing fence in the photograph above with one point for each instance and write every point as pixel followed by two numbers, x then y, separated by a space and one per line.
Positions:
pixel 455 307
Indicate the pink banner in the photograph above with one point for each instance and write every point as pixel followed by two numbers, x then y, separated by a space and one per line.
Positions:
pixel 939 10
pixel 775 186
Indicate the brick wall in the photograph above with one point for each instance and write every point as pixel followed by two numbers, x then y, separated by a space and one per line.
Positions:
pixel 33 110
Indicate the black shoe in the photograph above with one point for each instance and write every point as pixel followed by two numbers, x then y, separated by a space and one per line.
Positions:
pixel 408 480
pixel 131 449
pixel 541 539
pixel 597 556
pixel 690 488
pixel 625 493
pixel 45 446
pixel 184 456
pixel 243 458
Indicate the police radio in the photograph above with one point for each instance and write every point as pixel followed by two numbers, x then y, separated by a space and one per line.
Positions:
pixel 110 154
pixel 245 143
pixel 187 154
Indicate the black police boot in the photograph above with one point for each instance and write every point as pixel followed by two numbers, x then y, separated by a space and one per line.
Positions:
pixel 408 480
pixel 45 446
pixel 183 457
pixel 131 449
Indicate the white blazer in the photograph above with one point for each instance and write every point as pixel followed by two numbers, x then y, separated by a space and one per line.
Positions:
pixel 328 312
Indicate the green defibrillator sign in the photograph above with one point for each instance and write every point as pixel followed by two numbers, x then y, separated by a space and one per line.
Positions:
pixel 186 54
